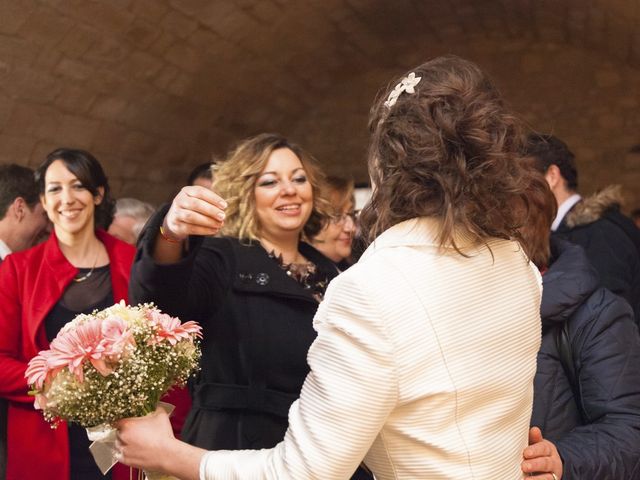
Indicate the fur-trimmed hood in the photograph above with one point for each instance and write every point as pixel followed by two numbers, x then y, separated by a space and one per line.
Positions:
pixel 592 208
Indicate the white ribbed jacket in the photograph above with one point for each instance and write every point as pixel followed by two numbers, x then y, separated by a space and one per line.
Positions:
pixel 423 366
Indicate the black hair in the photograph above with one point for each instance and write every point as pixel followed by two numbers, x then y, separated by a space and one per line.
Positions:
pixel 16 181
pixel 201 171
pixel 90 173
pixel 547 150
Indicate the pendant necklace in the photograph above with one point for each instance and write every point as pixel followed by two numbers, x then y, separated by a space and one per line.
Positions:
pixel 88 274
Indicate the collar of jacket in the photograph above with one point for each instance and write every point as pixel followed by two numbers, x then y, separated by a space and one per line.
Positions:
pixel 594 207
pixel 568 282
pixel 55 273
pixel 418 231
pixel 256 272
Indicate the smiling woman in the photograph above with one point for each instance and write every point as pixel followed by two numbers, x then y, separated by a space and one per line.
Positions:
pixel 254 289
pixel 283 195
pixel 78 269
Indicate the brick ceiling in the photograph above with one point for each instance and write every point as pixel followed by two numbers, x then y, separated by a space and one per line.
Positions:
pixel 153 87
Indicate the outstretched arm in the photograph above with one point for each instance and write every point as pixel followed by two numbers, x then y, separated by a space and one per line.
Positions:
pixel 346 398
pixel 166 271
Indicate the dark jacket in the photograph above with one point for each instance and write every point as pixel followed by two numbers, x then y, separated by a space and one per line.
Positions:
pixel 611 241
pixel 257 328
pixel 606 352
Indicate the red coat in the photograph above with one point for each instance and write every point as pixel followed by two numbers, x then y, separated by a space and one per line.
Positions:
pixel 31 283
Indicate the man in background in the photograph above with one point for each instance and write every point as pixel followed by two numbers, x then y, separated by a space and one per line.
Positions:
pixel 610 239
pixel 22 219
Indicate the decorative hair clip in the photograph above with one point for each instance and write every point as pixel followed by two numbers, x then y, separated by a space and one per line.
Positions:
pixel 406 85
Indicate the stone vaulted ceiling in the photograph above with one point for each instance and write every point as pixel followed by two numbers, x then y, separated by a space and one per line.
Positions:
pixel 154 87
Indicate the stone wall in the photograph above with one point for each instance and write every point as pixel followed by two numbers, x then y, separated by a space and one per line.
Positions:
pixel 154 87
pixel 589 100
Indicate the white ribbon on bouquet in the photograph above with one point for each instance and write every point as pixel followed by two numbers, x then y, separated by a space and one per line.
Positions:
pixel 104 450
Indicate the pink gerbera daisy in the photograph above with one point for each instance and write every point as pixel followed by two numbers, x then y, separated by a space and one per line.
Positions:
pixel 74 347
pixel 171 329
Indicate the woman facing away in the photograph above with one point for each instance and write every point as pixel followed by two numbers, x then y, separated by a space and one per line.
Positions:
pixel 426 348
pixel 78 269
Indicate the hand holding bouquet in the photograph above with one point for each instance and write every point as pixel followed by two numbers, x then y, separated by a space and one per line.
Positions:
pixel 112 364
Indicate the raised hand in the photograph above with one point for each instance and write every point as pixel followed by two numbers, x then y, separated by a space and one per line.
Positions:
pixel 194 211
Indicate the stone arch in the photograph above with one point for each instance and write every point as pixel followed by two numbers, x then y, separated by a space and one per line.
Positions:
pixel 153 87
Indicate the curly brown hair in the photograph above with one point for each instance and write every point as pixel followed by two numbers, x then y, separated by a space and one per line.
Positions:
pixel 536 230
pixel 449 150
pixel 235 179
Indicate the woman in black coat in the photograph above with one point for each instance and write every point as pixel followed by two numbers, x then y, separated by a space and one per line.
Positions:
pixel 593 420
pixel 255 290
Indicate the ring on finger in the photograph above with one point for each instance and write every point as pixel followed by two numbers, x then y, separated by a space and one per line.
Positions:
pixel 553 475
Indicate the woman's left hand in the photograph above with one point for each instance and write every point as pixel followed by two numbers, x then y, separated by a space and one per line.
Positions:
pixel 144 442
pixel 541 458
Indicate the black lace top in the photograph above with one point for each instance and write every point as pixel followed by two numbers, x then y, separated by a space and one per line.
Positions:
pixel 90 291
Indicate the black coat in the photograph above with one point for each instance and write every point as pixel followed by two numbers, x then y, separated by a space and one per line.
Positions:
pixel 611 242
pixel 257 328
pixel 606 352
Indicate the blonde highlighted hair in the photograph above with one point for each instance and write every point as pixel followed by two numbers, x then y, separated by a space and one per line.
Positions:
pixel 235 180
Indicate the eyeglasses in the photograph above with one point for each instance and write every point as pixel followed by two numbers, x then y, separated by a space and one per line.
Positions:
pixel 340 218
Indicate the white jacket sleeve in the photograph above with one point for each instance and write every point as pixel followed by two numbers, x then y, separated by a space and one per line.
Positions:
pixel 346 398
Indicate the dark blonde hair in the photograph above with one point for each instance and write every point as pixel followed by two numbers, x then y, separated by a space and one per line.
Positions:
pixel 339 192
pixel 449 150
pixel 235 179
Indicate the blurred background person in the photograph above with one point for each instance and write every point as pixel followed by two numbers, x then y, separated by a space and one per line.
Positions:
pixel 334 240
pixel 22 222
pixel 255 290
pixel 78 269
pixel 22 218
pixel 587 383
pixel 635 216
pixel 130 216
pixel 201 175
pixel 609 238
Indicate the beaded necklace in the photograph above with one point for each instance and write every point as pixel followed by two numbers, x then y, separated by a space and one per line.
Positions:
pixel 306 274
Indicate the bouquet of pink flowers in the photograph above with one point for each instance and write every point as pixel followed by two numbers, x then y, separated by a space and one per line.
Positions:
pixel 113 364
